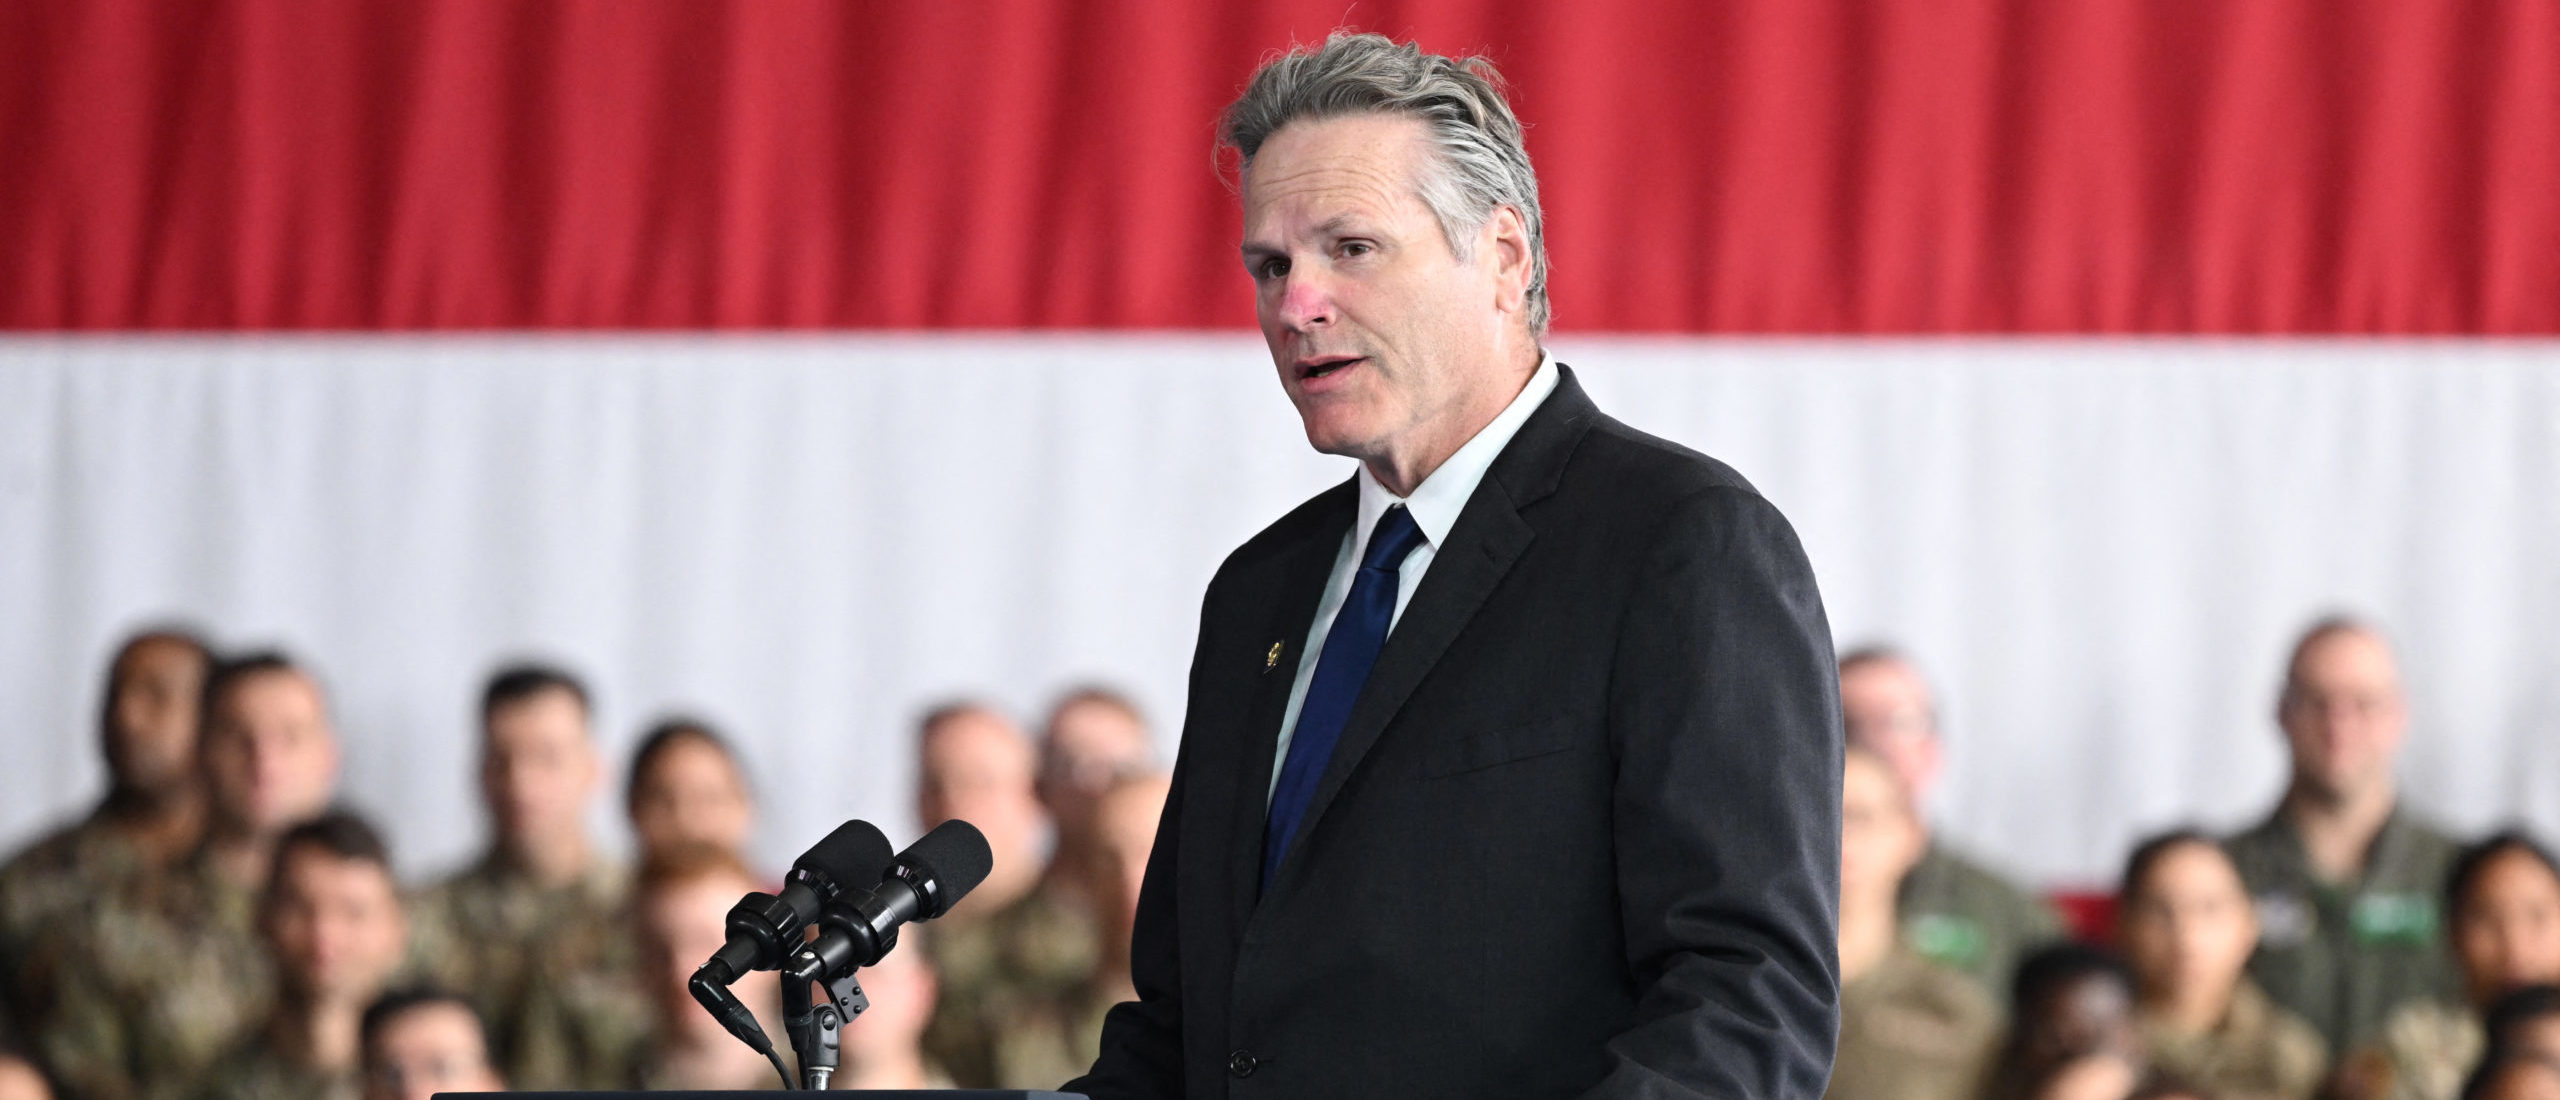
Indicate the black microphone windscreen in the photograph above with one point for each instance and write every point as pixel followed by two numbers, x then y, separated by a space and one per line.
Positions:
pixel 956 855
pixel 853 857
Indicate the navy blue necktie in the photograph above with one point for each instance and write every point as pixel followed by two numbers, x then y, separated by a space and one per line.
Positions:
pixel 1359 631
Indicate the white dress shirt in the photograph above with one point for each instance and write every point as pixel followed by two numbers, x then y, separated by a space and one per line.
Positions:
pixel 1435 505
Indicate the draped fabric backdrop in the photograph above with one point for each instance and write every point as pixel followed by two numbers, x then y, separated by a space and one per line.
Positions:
pixel 2122 338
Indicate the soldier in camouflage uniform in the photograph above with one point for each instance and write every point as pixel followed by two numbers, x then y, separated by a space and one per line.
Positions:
pixel 542 906
pixel 333 927
pixel 1910 1029
pixel 2187 928
pixel 153 814
pixel 1015 938
pixel 1956 912
pixel 165 976
pixel 2503 898
pixel 2345 878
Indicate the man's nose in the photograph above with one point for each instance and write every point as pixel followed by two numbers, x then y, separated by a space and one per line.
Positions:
pixel 1306 299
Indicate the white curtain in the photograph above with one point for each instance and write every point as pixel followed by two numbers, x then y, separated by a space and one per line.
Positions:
pixel 2099 548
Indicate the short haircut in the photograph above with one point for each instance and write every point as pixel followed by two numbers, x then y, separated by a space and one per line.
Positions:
pixel 339 833
pixel 1480 160
pixel 518 682
pixel 230 673
pixel 687 863
pixel 2147 854
pixel 2496 1064
pixel 2475 859
pixel 665 736
pixel 178 636
pixel 1100 695
pixel 1874 653
pixel 2049 969
pixel 389 1007
pixel 2513 1011
pixel 945 711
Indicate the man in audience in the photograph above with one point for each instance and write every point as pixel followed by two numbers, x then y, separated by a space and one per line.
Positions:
pixel 153 813
pixel 687 786
pixel 423 1041
pixel 1012 937
pixel 2072 1033
pixel 335 930
pixel 160 979
pixel 2345 878
pixel 1094 739
pixel 542 903
pixel 2187 929
pixel 2503 903
pixel 1047 1036
pixel 1955 911
pixel 681 906
pixel 1909 1028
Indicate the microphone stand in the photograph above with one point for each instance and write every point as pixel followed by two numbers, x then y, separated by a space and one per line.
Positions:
pixel 817 1028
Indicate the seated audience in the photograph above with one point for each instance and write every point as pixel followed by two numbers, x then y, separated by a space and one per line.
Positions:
pixel 1011 939
pixel 542 903
pixel 1955 911
pixel 2518 1076
pixel 153 813
pixel 161 979
pixel 1094 739
pixel 687 787
pixel 2504 900
pixel 2344 876
pixel 20 1079
pixel 421 1042
pixel 2073 1031
pixel 1047 1036
pixel 335 930
pixel 2186 928
pixel 884 1047
pixel 1910 1029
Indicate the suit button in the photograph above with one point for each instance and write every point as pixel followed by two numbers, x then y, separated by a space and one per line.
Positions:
pixel 1242 1063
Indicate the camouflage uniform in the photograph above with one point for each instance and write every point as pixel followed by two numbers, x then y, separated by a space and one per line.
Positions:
pixel 1965 917
pixel 1039 1041
pixel 57 876
pixel 2343 955
pixel 1912 1030
pixel 2258 1052
pixel 158 982
pixel 509 943
pixel 2425 1049
pixel 256 1070
pixel 1039 948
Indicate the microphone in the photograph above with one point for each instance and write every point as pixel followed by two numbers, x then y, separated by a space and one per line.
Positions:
pixel 764 928
pixel 922 883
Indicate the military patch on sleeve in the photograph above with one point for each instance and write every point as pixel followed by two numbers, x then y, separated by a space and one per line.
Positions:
pixel 2408 919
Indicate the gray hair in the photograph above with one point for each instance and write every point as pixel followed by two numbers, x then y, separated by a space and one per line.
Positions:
pixel 1475 139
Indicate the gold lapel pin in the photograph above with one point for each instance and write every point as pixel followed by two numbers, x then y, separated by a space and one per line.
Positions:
pixel 1271 660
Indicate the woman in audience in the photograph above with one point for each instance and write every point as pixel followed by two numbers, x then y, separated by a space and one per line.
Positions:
pixel 2073 1036
pixel 2503 906
pixel 688 787
pixel 2187 928
pixel 2526 1021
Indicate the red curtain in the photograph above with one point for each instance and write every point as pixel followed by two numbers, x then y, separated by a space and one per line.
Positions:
pixel 1774 166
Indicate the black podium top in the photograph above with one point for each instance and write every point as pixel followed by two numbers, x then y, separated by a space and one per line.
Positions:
pixel 875 1094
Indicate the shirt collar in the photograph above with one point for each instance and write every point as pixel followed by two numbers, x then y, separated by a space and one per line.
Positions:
pixel 1436 502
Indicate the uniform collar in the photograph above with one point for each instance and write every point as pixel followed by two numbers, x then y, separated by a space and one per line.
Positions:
pixel 1436 502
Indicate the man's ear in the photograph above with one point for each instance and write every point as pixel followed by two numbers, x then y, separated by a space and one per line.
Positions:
pixel 1504 244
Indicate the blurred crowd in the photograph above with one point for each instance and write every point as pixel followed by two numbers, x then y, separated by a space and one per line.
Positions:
pixel 222 925
pixel 2341 947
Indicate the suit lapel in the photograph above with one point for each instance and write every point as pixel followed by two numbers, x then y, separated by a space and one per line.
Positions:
pixel 1488 538
pixel 1298 586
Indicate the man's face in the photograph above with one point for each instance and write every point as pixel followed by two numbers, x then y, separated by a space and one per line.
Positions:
pixel 435 1047
pixel 269 756
pixel 2189 925
pixel 977 767
pixel 2508 935
pixel 681 924
pixel 1886 708
pixel 1124 836
pixel 151 730
pixel 691 794
pixel 1381 334
pixel 2342 712
pixel 538 766
pixel 335 925
pixel 1880 837
pixel 1091 746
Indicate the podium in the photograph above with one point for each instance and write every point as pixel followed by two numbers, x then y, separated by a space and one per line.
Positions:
pixel 875 1094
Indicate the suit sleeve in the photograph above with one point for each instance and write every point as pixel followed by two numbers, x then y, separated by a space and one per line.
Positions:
pixel 1724 714
pixel 1142 1039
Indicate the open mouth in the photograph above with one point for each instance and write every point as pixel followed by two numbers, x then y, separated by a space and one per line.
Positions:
pixel 1318 368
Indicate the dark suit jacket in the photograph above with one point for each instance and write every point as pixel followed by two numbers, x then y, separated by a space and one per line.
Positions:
pixel 1580 834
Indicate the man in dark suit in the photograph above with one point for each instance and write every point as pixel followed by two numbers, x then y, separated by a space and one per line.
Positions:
pixel 1511 765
